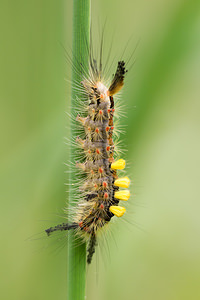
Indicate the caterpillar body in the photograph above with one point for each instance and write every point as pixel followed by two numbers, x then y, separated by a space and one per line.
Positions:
pixel 100 189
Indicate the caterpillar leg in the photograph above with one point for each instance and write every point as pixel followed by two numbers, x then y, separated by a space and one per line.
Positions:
pixel 61 227
pixel 91 247
pixel 66 226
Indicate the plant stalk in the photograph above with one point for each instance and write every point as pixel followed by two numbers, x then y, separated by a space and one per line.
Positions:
pixel 80 56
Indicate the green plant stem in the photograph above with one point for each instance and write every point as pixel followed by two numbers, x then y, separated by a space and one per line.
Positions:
pixel 76 249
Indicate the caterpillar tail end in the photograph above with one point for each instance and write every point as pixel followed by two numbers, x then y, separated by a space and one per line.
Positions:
pixel 118 79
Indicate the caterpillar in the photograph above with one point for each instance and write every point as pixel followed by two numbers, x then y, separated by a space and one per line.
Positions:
pixel 99 191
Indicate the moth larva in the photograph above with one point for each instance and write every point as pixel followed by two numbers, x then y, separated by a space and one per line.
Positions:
pixel 100 188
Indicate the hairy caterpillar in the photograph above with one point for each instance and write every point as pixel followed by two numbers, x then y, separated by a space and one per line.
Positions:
pixel 99 191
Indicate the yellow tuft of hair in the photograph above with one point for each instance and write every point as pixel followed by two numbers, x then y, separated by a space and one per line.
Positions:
pixel 117 210
pixel 122 182
pixel 122 195
pixel 118 164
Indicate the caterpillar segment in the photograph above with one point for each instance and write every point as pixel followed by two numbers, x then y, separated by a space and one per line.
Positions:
pixel 100 189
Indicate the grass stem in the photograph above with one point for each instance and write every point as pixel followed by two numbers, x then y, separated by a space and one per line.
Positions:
pixel 77 250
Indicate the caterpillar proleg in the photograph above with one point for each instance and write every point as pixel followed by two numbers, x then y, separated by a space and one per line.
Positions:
pixel 99 189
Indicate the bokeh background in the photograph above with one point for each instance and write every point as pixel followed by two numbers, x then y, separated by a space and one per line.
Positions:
pixel 154 252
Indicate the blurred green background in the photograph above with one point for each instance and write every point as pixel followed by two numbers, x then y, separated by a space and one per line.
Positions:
pixel 156 257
